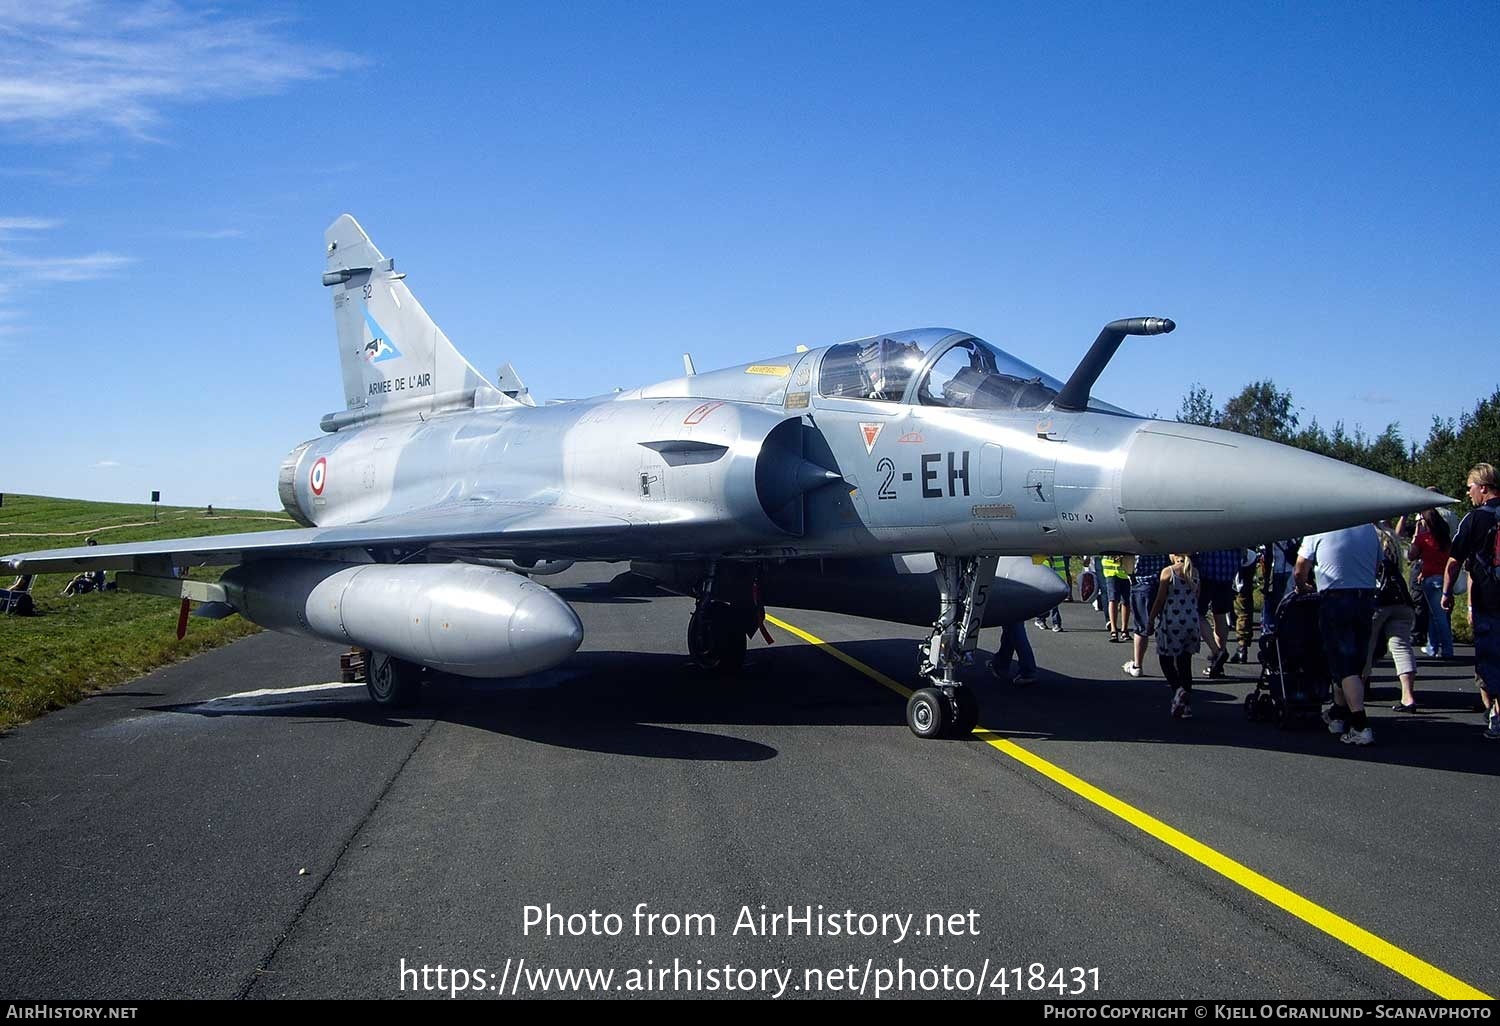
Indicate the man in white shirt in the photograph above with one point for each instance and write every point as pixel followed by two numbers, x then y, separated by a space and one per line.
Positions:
pixel 1345 564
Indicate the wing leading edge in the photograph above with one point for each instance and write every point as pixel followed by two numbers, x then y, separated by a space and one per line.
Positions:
pixel 491 525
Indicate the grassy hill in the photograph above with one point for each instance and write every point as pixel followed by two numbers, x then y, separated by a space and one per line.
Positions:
pixel 87 642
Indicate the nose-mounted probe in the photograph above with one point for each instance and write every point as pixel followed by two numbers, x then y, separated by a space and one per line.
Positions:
pixel 1075 394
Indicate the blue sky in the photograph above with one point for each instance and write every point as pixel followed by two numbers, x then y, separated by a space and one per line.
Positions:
pixel 1310 191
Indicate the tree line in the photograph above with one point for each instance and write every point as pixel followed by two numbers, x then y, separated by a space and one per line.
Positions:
pixel 1451 448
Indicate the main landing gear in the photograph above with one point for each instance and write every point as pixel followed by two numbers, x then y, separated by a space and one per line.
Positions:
pixel 727 613
pixel 948 707
pixel 715 640
pixel 391 682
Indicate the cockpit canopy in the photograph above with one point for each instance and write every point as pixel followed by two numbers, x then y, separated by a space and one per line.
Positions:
pixel 964 372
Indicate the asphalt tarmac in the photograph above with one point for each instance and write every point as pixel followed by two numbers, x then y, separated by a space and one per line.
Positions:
pixel 227 827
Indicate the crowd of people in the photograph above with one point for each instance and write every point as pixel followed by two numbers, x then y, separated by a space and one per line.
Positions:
pixel 1381 588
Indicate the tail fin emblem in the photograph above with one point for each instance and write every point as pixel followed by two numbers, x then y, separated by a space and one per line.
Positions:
pixel 379 347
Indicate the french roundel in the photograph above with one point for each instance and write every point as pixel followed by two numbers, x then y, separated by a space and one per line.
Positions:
pixel 318 476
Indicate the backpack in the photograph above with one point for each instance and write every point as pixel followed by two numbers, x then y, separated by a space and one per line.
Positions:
pixel 1390 586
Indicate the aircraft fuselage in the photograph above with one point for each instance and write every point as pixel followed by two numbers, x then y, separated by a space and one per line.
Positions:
pixel 757 462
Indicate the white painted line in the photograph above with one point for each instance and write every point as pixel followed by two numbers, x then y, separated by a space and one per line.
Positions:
pixel 284 698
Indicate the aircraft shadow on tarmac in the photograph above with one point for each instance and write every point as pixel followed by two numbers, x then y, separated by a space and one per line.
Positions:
pixel 625 703
pixel 633 703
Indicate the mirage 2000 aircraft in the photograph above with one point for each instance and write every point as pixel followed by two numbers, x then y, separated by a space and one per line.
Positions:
pixel 845 477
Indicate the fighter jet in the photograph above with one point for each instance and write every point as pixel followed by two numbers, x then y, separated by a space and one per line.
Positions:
pixel 861 476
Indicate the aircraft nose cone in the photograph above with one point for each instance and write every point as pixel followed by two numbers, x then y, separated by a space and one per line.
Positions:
pixel 1026 587
pixel 543 631
pixel 1185 487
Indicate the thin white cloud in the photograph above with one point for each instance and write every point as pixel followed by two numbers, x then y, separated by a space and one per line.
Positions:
pixel 25 271
pixel 77 168
pixel 80 268
pixel 80 67
pixel 25 227
pixel 206 233
pixel 27 224
pixel 57 13
pixel 10 317
pixel 1378 398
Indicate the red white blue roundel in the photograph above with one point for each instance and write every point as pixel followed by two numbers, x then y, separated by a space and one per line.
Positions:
pixel 319 475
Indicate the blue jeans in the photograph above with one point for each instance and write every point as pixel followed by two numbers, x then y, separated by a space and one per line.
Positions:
pixel 1439 628
pixel 1487 651
pixel 1013 642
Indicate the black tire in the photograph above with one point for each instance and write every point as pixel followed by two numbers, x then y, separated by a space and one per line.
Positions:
pixel 965 709
pixel 391 682
pixel 715 641
pixel 699 638
pixel 1252 707
pixel 731 642
pixel 927 713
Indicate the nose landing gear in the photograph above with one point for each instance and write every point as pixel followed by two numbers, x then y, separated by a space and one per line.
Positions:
pixel 949 708
pixel 943 712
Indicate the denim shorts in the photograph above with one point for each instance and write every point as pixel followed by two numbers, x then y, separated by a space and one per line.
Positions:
pixel 1487 651
pixel 1345 617
pixel 1142 595
pixel 1117 589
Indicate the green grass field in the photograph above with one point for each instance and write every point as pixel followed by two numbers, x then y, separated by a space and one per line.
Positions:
pixel 87 642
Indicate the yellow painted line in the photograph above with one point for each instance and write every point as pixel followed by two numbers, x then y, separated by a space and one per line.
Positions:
pixel 843 657
pixel 1366 943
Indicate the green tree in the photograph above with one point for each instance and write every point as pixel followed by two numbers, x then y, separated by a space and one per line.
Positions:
pixel 1388 454
pixel 1451 449
pixel 1443 460
pixel 1436 463
pixel 1262 410
pixel 1313 438
pixel 1198 407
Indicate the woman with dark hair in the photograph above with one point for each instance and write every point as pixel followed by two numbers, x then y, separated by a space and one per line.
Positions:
pixel 1430 547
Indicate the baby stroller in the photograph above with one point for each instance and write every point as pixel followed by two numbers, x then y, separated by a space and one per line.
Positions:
pixel 1294 682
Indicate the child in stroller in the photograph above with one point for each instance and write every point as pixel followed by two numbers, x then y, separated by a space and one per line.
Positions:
pixel 1294 684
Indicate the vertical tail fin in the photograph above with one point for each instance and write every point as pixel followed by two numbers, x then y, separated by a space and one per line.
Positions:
pixel 393 357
